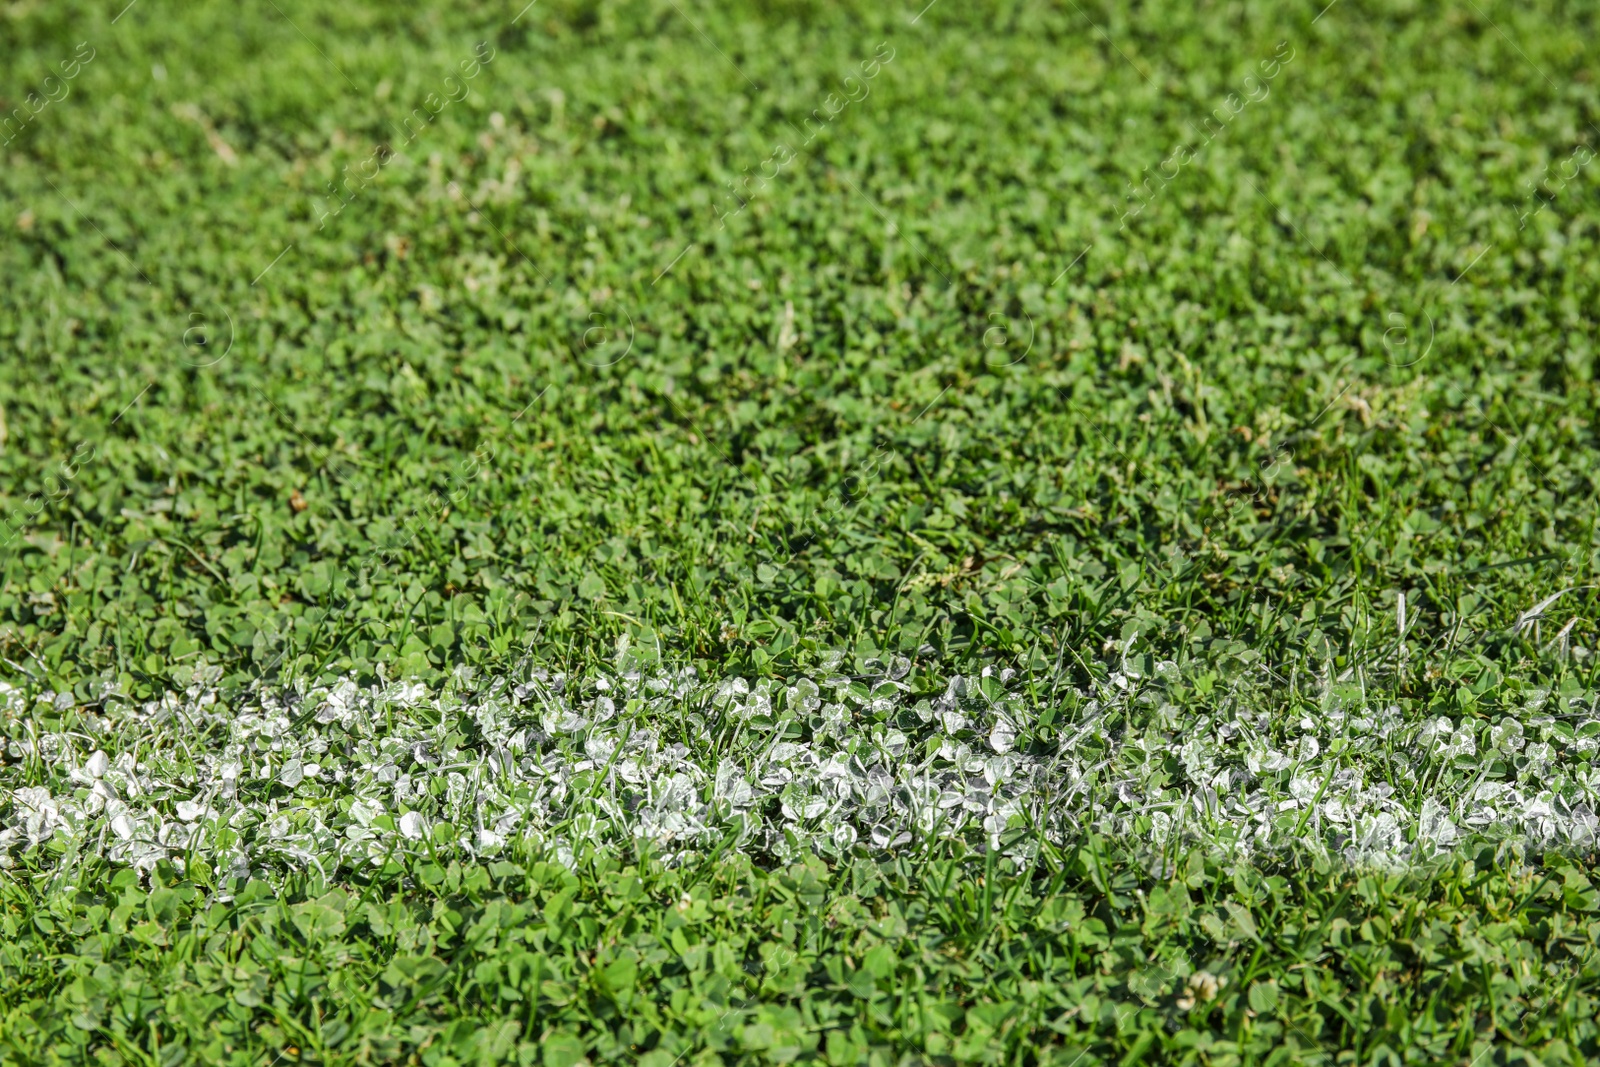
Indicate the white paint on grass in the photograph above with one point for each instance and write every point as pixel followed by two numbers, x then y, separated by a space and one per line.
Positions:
pixel 832 764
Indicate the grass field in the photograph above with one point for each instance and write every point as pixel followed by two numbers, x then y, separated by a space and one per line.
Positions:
pixel 779 531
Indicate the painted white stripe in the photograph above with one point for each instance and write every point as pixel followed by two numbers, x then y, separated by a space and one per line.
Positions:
pixel 830 764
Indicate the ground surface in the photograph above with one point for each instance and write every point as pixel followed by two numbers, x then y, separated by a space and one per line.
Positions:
pixel 649 531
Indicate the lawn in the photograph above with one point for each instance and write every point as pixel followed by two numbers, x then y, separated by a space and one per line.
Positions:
pixel 772 532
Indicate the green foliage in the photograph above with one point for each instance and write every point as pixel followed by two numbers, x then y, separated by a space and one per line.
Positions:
pixel 528 962
pixel 542 380
pixel 976 377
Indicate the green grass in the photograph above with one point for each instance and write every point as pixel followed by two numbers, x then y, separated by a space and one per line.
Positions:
pixel 1219 420
pixel 530 962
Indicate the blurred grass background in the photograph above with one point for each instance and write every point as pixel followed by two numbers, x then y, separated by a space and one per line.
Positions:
pixel 528 390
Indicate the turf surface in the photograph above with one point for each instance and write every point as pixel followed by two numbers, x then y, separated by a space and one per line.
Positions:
pixel 1225 372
